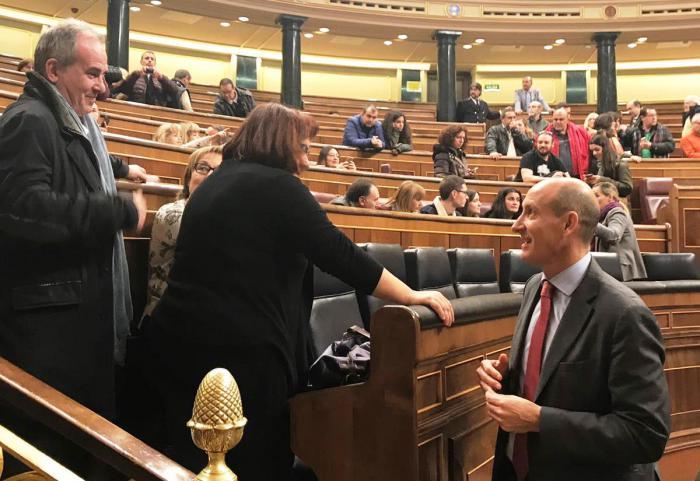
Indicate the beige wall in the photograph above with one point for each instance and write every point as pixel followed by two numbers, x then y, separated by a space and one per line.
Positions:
pixel 331 81
pixel 18 39
pixel 204 69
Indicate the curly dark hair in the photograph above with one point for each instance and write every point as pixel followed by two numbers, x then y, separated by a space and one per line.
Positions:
pixel 448 135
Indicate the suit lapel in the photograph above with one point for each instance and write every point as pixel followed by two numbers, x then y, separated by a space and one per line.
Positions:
pixel 575 318
pixel 524 316
pixel 81 158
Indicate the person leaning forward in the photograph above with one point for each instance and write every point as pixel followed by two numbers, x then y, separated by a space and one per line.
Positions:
pixel 583 394
pixel 64 288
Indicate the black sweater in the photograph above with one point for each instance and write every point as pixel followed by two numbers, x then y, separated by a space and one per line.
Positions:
pixel 242 253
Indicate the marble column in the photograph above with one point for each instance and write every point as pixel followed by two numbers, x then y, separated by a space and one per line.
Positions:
pixel 291 59
pixel 447 75
pixel 607 76
pixel 118 33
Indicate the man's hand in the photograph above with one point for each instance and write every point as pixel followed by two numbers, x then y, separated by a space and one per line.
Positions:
pixel 495 155
pixel 437 302
pixel 140 202
pixel 636 158
pixel 377 143
pixel 491 373
pixel 512 413
pixel 138 174
pixel 644 144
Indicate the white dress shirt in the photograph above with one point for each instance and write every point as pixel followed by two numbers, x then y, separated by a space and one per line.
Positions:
pixel 565 283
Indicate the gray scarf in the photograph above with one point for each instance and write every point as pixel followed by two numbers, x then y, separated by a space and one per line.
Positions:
pixel 121 295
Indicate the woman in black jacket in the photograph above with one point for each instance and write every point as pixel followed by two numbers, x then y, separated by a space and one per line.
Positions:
pixel 611 167
pixel 449 157
pixel 238 296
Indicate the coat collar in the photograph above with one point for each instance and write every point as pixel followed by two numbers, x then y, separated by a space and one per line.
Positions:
pixel 67 119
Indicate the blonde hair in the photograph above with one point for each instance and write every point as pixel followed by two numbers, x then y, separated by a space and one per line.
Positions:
pixel 195 157
pixel 608 189
pixel 164 131
pixel 186 130
pixel 593 116
pixel 407 191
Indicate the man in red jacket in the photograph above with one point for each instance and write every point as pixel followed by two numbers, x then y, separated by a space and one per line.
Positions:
pixel 570 143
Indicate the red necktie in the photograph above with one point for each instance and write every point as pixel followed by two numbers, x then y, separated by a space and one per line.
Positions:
pixel 532 373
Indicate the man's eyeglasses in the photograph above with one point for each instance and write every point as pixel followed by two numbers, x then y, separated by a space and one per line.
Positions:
pixel 461 191
pixel 203 169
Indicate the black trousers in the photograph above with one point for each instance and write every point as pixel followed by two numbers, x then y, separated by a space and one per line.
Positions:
pixel 175 369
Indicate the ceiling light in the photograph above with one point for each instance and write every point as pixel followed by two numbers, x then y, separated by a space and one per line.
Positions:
pixel 403 36
pixel 243 19
pixel 388 42
pixel 548 47
pixel 225 24
pixel 632 45
pixel 560 41
pixel 324 29
pixel 466 46
pixel 309 35
pixel 135 9
pixel 156 3
pixel 479 40
pixel 642 39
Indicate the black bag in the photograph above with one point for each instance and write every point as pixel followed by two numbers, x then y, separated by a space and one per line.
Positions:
pixel 344 362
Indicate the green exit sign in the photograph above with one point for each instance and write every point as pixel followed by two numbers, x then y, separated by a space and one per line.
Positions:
pixel 492 87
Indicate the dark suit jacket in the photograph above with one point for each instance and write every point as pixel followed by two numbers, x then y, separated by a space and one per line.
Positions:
pixel 605 406
pixel 468 111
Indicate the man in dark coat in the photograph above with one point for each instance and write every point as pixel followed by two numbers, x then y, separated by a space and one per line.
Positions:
pixel 503 139
pixel 474 110
pixel 64 292
pixel 233 101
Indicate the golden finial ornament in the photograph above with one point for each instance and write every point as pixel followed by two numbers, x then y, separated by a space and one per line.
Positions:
pixel 217 423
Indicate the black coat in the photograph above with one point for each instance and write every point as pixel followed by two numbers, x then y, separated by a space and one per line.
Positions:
pixel 57 229
pixel 469 112
pixel 449 161
pixel 497 140
pixel 240 108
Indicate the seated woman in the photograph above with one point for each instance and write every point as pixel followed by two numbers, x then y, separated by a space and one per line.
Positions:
pixel 189 131
pixel 507 205
pixel 611 167
pixel 397 133
pixel 448 154
pixel 589 123
pixel 166 223
pixel 473 205
pixel 615 232
pixel 408 197
pixel 329 157
pixel 168 134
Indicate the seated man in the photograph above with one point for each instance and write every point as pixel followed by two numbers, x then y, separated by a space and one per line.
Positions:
pixel 362 193
pixel 691 142
pixel 540 163
pixel 474 110
pixel 181 99
pixel 504 139
pixel 651 139
pixel 453 196
pixel 147 85
pixel 233 101
pixel 535 120
pixel 364 131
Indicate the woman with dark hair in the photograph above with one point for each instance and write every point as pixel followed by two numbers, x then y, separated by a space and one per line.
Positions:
pixel 328 156
pixel 407 198
pixel 615 232
pixel 473 206
pixel 449 157
pixel 166 223
pixel 239 293
pixel 611 168
pixel 507 205
pixel 608 122
pixel 397 132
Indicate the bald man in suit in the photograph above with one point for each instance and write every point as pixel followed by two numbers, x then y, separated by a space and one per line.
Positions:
pixel 583 395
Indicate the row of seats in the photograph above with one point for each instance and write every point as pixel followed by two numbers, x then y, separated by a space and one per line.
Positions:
pixel 460 273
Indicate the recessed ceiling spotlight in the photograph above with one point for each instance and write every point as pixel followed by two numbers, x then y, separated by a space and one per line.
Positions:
pixel 324 29
pixel 466 46
pixel 403 36
pixel 243 19
pixel 479 41
pixel 156 3
pixel 560 41
pixel 135 9
pixel 225 24
pixel 309 35
pixel 632 45
pixel 642 39
pixel 548 47
pixel 388 42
